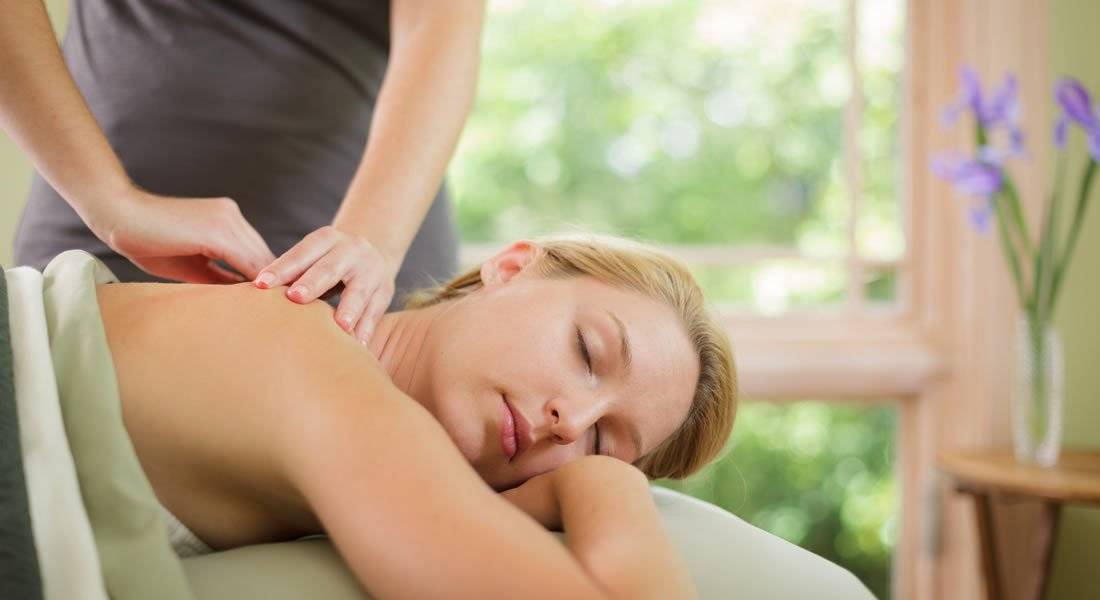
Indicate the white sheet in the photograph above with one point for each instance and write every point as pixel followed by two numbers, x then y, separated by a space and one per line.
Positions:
pixel 62 533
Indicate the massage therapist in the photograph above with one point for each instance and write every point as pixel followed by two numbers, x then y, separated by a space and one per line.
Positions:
pixel 178 137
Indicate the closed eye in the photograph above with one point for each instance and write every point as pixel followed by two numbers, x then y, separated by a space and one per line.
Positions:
pixel 582 347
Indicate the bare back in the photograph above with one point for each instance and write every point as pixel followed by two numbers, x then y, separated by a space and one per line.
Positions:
pixel 194 365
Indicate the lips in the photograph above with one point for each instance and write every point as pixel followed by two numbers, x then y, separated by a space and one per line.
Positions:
pixel 508 440
pixel 520 432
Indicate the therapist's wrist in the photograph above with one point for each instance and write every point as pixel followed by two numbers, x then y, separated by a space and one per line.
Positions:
pixel 393 252
pixel 104 208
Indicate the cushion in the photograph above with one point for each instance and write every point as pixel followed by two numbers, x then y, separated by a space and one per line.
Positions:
pixel 727 558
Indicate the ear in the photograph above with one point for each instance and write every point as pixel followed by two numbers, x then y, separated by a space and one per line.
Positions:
pixel 507 263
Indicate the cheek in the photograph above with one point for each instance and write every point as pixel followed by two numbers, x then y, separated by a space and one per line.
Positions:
pixel 550 458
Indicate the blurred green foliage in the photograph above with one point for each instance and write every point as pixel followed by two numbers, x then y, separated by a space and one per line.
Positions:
pixel 687 121
pixel 819 475
pixel 713 122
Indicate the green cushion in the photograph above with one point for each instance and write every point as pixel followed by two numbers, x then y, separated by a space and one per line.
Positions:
pixel 134 552
pixel 287 571
pixel 727 558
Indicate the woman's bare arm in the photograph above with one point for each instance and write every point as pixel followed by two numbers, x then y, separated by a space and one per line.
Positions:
pixel 414 520
pixel 612 525
pixel 613 528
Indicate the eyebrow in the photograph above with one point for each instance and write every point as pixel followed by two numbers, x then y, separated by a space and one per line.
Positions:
pixel 627 356
pixel 624 343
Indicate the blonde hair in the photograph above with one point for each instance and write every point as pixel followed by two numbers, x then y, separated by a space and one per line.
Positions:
pixel 636 266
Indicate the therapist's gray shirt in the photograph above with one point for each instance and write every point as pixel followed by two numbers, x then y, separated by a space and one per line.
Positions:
pixel 265 101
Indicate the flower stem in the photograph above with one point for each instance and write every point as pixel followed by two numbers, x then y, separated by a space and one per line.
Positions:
pixel 1075 228
pixel 1007 245
pixel 1037 409
pixel 1009 249
pixel 1018 216
pixel 1044 259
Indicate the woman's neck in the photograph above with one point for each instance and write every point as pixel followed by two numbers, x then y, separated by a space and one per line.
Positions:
pixel 399 344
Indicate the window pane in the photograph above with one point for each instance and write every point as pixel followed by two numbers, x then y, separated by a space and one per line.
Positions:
pixel 881 57
pixel 774 286
pixel 881 286
pixel 817 474
pixel 682 121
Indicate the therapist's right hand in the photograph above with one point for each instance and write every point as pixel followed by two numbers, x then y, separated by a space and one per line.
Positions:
pixel 180 238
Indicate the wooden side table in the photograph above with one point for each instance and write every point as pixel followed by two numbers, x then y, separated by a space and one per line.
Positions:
pixel 988 474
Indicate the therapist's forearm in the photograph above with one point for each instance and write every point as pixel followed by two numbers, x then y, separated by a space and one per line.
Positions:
pixel 43 111
pixel 423 104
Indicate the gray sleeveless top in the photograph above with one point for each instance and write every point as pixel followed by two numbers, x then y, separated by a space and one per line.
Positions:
pixel 265 101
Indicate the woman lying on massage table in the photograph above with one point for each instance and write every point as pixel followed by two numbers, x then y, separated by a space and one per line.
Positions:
pixel 560 373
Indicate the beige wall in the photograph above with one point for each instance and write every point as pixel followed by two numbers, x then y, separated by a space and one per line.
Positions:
pixel 15 170
pixel 14 182
pixel 1074 51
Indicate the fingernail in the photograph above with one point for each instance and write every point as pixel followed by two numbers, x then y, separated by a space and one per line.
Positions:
pixel 345 321
pixel 298 290
pixel 265 280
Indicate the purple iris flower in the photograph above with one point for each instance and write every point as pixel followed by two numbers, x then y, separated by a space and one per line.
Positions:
pixel 1076 103
pixel 1077 109
pixel 980 178
pixel 981 214
pixel 1061 131
pixel 1003 108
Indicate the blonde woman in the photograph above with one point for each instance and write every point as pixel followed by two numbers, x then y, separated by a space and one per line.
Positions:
pixel 536 391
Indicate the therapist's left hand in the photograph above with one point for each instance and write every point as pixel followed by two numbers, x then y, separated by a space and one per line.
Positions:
pixel 327 257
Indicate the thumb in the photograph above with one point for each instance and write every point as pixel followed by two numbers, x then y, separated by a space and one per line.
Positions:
pixel 246 259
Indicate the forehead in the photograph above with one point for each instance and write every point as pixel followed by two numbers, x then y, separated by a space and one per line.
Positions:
pixel 659 388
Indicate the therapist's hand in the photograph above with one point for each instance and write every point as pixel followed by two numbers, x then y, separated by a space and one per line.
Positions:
pixel 180 238
pixel 327 257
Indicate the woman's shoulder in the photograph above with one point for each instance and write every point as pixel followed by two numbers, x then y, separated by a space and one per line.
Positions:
pixel 236 307
pixel 234 342
pixel 218 385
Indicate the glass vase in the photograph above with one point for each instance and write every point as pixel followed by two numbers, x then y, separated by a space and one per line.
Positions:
pixel 1037 393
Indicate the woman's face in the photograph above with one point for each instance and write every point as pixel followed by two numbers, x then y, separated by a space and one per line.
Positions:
pixel 529 373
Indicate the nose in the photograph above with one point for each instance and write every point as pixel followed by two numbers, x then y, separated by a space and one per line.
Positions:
pixel 570 418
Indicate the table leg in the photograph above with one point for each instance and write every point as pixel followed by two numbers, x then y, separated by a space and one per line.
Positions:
pixel 983 511
pixel 1051 512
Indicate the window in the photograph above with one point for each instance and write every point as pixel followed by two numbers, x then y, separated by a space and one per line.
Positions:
pixel 756 140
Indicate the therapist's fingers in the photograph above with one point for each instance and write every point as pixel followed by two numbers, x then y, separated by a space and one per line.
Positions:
pixel 353 303
pixel 379 300
pixel 259 252
pixel 192 269
pixel 326 273
pixel 180 238
pixel 231 238
pixel 243 254
pixel 222 275
pixel 296 261
pixel 218 228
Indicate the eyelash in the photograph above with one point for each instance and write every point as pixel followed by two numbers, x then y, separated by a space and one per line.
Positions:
pixel 583 348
